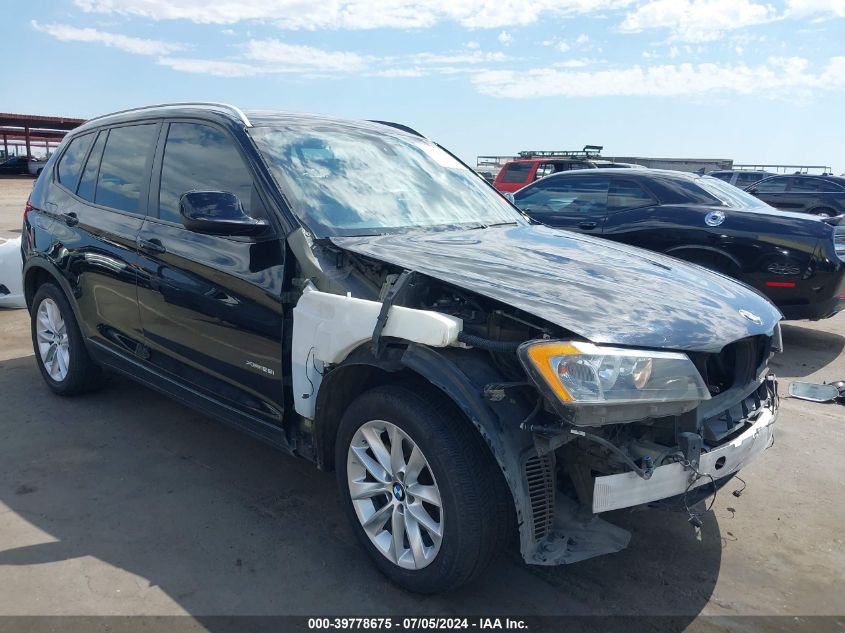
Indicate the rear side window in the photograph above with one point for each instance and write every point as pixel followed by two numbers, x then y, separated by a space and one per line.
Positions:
pixel 810 185
pixel 200 158
pixel 71 162
pixel 543 170
pixel 721 175
pixel 516 172
pixel 88 184
pixel 565 195
pixel 772 185
pixel 746 180
pixel 123 167
pixel 627 194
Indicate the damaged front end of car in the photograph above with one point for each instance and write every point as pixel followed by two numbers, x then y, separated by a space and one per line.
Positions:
pixel 624 428
pixel 582 418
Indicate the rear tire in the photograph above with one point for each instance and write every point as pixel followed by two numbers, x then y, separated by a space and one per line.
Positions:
pixel 59 348
pixel 453 485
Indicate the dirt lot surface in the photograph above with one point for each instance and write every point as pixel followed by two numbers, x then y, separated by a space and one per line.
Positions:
pixel 13 193
pixel 126 503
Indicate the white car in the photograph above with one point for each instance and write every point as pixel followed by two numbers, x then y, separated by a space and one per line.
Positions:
pixel 11 264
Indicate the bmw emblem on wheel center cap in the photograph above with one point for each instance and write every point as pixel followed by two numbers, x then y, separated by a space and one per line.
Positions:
pixel 398 492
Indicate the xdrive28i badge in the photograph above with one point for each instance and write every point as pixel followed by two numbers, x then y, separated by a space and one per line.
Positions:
pixel 714 218
pixel 751 317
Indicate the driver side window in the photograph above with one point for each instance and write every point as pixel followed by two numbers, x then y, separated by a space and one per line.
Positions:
pixel 200 158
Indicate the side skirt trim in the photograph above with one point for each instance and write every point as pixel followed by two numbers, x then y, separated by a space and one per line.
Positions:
pixel 230 416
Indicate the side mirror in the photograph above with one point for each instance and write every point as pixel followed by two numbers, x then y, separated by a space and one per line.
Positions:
pixel 217 213
pixel 509 197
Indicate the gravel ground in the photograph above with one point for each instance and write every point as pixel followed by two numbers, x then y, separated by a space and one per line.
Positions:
pixel 126 503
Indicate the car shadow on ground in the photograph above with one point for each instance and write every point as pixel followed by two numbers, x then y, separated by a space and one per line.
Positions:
pixel 224 525
pixel 806 350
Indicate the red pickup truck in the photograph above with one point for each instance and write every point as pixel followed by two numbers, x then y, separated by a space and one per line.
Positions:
pixel 517 173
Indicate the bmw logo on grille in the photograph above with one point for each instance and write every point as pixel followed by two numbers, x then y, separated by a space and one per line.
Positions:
pixel 398 492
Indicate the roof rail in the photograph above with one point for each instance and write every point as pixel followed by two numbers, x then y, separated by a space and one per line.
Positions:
pixel 593 151
pixel 233 109
pixel 784 169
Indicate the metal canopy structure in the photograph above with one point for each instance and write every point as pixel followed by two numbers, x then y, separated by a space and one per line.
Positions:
pixel 27 130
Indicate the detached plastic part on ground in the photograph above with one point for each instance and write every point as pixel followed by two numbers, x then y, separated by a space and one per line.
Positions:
pixel 827 392
pixel 11 266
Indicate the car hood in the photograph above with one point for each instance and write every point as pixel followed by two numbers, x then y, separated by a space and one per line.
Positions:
pixel 603 291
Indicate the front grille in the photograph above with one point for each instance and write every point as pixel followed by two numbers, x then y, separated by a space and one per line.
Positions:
pixel 736 365
pixel 539 474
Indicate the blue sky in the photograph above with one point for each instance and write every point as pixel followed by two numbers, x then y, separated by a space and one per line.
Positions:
pixel 750 80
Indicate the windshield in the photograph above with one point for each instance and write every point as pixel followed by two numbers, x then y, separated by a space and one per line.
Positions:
pixel 350 180
pixel 728 194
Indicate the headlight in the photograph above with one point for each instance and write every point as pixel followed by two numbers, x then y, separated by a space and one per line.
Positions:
pixel 595 385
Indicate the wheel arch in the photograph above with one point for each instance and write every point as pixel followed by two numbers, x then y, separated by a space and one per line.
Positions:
pixel 707 253
pixel 437 373
pixel 826 208
pixel 37 273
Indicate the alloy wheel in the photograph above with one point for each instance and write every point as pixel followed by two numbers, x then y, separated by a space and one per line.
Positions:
pixel 53 344
pixel 395 495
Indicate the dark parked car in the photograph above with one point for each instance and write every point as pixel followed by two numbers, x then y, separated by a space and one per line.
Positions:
pixel 817 195
pixel 741 178
pixel 15 165
pixel 354 295
pixel 793 259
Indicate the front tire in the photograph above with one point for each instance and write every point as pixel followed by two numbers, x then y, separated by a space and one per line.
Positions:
pixel 424 494
pixel 59 349
pixel 824 212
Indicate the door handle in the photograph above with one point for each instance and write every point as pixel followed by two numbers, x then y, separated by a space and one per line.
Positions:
pixel 151 246
pixel 70 219
pixel 587 225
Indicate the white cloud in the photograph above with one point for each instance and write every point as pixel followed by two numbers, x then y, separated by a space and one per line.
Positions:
pixel 219 68
pixel 136 45
pixel 353 14
pixel 468 57
pixel 562 46
pixel 576 63
pixel 815 8
pixel 698 20
pixel 271 56
pixel 283 57
pixel 778 75
pixel 505 38
pixel 400 72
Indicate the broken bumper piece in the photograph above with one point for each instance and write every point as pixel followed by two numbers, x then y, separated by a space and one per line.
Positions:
pixel 624 490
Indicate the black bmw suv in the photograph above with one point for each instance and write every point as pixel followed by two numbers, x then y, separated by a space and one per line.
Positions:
pixel 353 294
